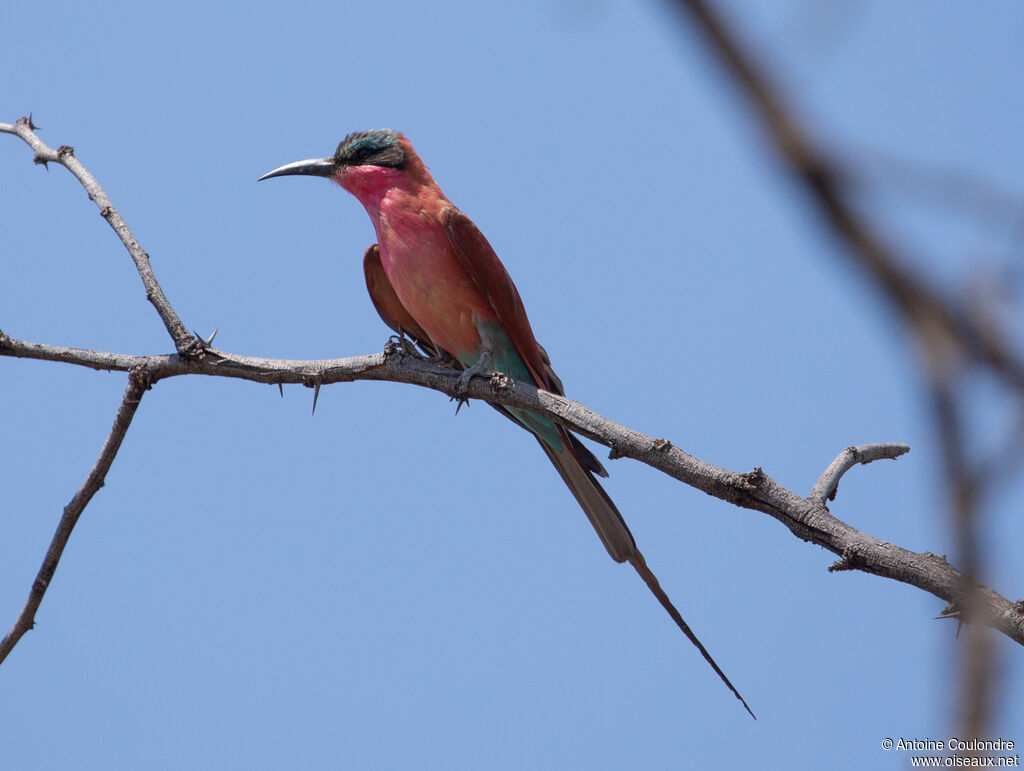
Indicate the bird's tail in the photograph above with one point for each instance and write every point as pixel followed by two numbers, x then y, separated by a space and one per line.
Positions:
pixel 577 466
pixel 594 501
pixel 640 565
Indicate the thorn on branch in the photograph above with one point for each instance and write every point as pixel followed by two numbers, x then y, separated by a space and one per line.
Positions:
pixel 952 611
pixel 23 121
pixel 313 381
pixel 198 346
pixel 845 562
pixel 205 343
pixel 662 445
pixel 64 151
pixel 615 453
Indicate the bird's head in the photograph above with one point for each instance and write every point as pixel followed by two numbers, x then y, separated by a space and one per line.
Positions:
pixel 366 163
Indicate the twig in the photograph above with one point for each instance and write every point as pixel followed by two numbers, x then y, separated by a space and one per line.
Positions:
pixel 826 487
pixel 137 384
pixel 65 156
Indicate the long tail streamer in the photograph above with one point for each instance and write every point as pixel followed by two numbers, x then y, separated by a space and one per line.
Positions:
pixel 640 565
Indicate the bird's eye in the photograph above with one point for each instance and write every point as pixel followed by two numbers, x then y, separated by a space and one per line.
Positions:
pixel 362 153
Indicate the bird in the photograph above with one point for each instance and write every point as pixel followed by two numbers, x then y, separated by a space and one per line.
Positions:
pixel 434 277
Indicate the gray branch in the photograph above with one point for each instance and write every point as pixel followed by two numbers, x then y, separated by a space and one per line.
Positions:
pixel 137 385
pixel 65 156
pixel 808 518
pixel 828 484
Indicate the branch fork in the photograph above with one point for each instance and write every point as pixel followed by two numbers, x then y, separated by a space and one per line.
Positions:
pixel 808 518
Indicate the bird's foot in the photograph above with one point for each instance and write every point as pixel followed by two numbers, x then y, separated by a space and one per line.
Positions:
pixel 408 346
pixel 461 390
pixel 401 344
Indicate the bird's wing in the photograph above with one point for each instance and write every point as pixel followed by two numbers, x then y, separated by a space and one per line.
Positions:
pixel 483 266
pixel 479 260
pixel 387 304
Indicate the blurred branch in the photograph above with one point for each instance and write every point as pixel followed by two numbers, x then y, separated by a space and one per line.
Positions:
pixel 949 188
pixel 977 671
pixel 919 304
pixel 137 384
pixel 950 333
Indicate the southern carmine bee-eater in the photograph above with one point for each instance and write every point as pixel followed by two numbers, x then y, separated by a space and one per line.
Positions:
pixel 432 276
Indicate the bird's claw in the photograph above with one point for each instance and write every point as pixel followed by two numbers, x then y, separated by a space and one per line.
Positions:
pixel 408 347
pixel 462 385
pixel 401 344
pixel 462 389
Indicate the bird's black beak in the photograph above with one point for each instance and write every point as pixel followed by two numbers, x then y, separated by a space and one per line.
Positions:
pixel 314 167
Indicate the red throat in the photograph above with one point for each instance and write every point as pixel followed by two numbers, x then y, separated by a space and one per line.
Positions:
pixel 369 183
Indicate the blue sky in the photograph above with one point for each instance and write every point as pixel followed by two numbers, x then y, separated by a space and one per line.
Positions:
pixel 384 585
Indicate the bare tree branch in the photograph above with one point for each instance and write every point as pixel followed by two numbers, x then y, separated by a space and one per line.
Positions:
pixel 808 518
pixel 65 156
pixel 137 384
